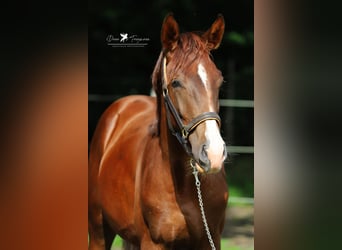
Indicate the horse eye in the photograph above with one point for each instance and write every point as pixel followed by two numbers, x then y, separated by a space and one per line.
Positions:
pixel 176 84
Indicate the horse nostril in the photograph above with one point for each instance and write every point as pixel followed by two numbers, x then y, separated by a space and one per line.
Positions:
pixel 204 155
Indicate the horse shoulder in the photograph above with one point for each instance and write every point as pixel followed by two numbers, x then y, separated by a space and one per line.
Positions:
pixel 119 141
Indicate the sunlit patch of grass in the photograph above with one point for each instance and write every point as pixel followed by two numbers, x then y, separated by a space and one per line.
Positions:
pixel 117 243
pixel 227 244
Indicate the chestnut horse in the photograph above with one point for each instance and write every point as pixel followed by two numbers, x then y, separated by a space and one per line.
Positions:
pixel 144 151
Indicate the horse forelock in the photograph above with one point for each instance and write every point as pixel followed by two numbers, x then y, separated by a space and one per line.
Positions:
pixel 190 48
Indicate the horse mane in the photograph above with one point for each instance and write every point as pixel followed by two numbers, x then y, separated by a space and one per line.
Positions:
pixel 191 46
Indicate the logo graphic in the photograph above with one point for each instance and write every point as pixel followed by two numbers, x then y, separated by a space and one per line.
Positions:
pixel 124 37
pixel 127 40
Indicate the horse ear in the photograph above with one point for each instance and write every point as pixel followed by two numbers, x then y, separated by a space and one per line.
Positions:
pixel 215 33
pixel 169 33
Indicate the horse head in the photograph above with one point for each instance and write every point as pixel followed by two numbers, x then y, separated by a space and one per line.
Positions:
pixel 190 87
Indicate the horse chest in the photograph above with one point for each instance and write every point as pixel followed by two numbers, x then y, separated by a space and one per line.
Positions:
pixel 177 221
pixel 170 206
pixel 161 212
pixel 168 225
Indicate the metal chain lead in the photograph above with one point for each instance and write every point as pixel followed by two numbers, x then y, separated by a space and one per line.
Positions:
pixel 200 201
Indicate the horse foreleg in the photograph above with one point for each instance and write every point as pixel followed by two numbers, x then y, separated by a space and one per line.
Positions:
pixel 109 235
pixel 96 236
pixel 100 235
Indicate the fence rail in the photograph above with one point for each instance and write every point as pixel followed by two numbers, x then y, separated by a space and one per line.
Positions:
pixel 236 103
pixel 223 102
pixel 240 149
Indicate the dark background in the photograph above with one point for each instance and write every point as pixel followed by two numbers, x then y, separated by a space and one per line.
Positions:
pixel 116 72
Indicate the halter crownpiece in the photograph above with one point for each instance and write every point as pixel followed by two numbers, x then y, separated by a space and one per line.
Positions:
pixel 183 132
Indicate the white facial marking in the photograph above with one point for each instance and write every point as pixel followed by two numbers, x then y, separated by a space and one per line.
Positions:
pixel 204 78
pixel 216 144
pixel 203 75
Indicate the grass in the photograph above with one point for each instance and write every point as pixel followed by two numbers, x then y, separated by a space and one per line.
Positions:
pixel 227 244
pixel 117 242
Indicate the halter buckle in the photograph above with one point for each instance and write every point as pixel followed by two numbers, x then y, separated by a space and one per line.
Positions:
pixel 185 133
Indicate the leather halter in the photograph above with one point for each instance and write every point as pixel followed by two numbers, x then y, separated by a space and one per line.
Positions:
pixel 183 131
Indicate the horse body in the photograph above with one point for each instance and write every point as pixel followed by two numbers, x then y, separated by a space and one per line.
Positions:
pixel 141 185
pixel 126 172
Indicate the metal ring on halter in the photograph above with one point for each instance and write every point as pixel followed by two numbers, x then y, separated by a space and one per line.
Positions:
pixel 185 133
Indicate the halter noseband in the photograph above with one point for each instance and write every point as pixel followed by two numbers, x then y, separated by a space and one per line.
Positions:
pixel 183 132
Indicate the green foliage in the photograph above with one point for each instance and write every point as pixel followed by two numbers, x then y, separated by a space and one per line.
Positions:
pixel 240 175
pixel 110 14
pixel 236 191
pixel 242 39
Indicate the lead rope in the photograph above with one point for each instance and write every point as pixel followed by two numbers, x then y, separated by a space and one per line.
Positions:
pixel 200 201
